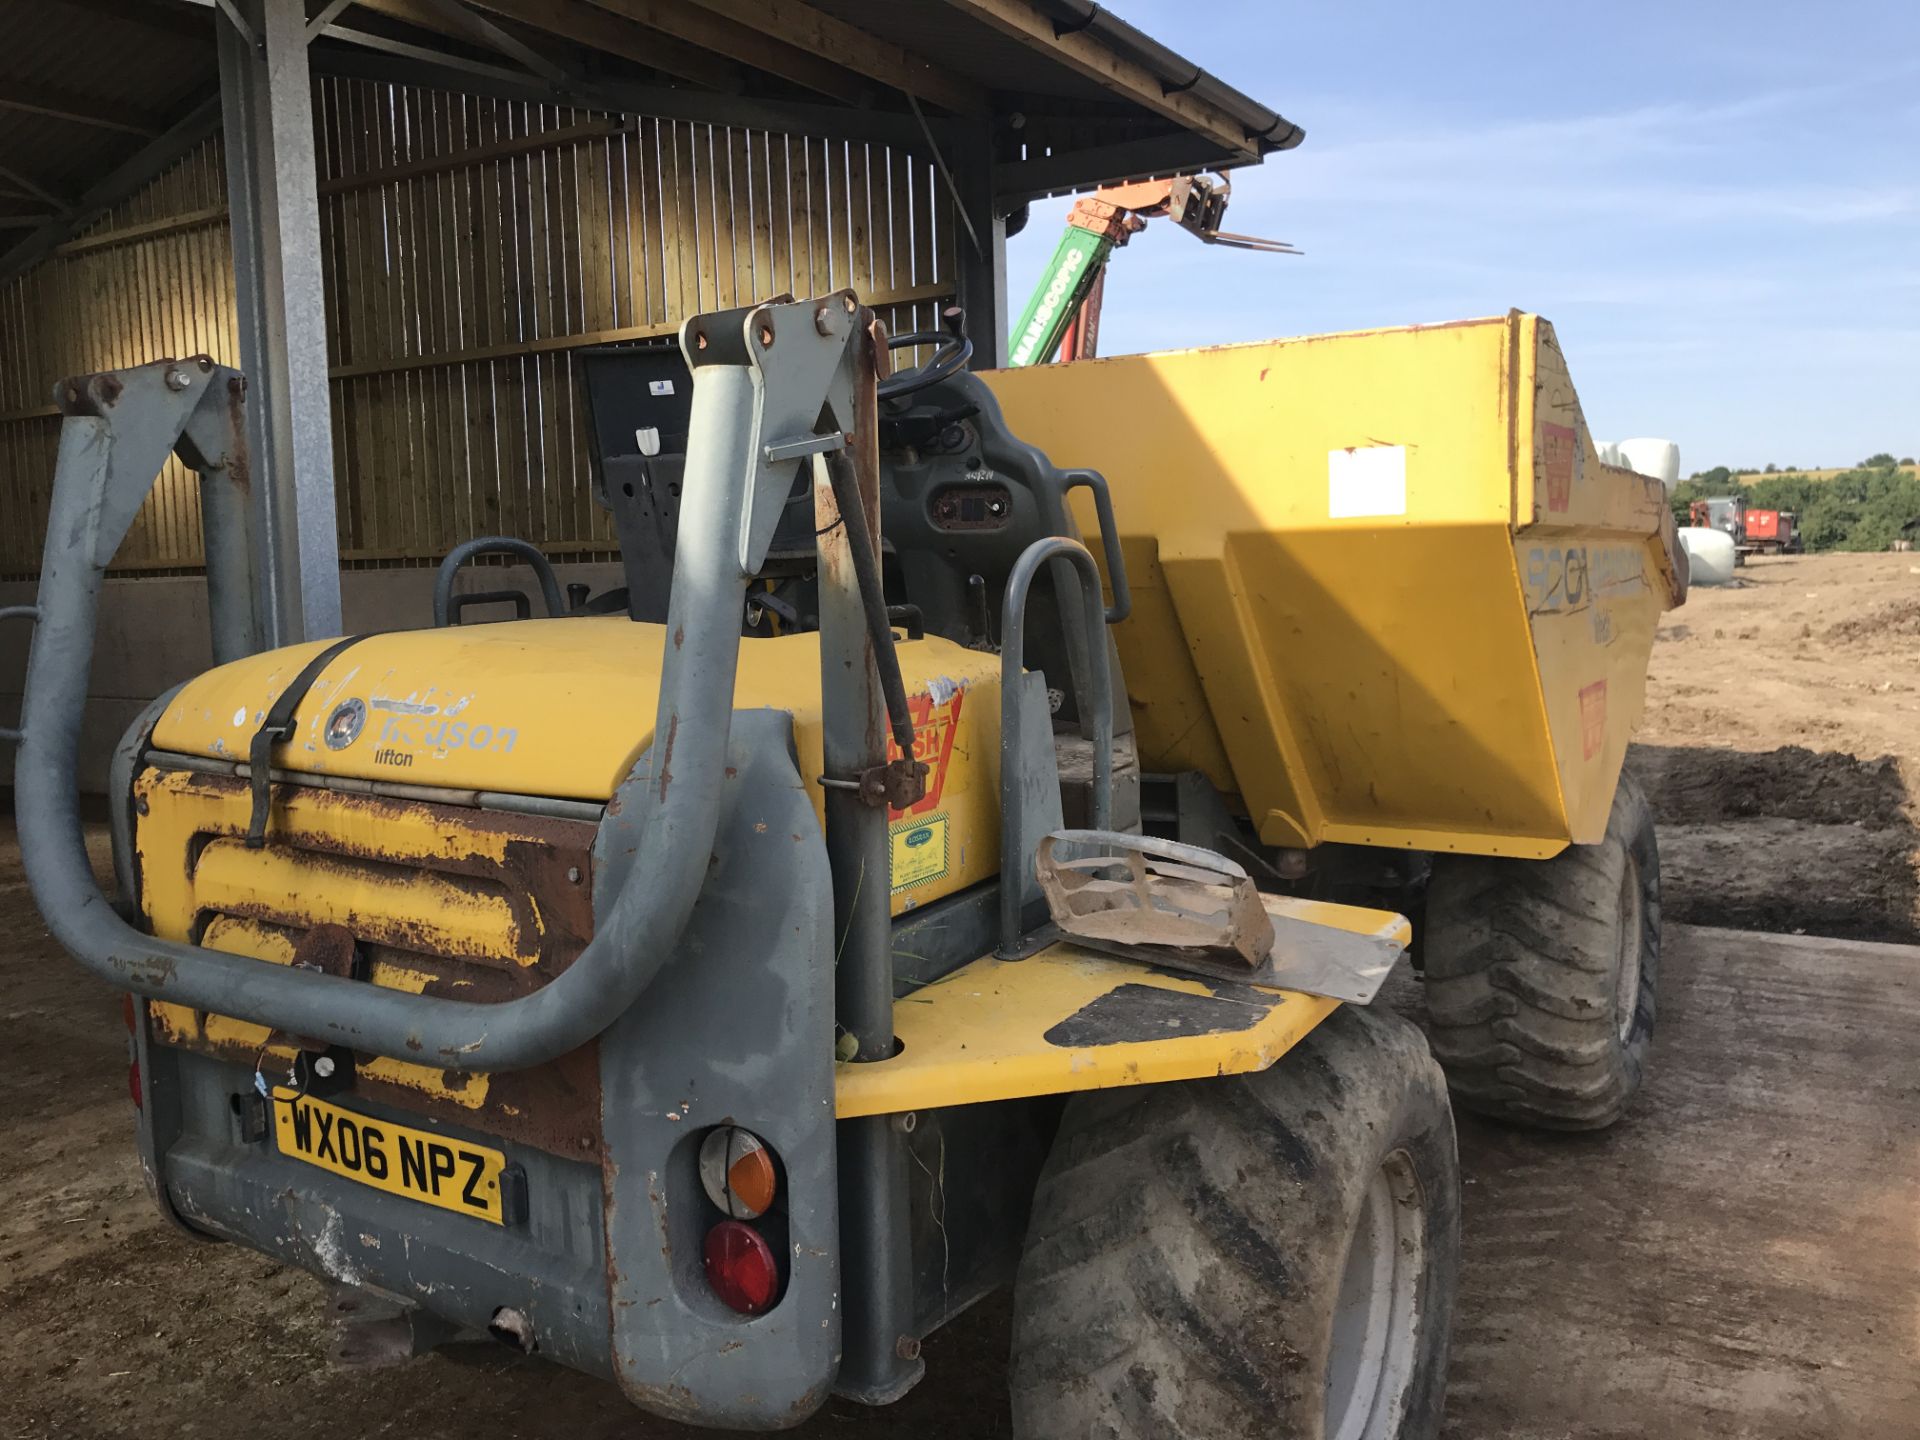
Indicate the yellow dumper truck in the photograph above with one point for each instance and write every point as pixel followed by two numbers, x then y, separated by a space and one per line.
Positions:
pixel 721 983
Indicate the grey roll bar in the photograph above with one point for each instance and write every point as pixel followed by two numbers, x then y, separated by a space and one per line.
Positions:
pixel 751 398
pixel 1016 863
pixel 525 550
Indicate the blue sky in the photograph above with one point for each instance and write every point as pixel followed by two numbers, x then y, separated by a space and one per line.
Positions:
pixel 1717 204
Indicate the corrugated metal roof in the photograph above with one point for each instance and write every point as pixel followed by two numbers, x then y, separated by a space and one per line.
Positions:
pixel 143 66
pixel 972 49
pixel 974 40
pixel 148 63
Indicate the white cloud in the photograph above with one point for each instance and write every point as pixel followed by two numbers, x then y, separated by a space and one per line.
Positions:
pixel 1734 267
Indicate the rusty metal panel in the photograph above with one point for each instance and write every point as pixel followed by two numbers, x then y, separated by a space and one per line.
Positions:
pixel 441 900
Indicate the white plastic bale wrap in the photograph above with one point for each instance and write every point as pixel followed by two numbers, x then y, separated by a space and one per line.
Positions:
pixel 1710 555
pixel 1659 458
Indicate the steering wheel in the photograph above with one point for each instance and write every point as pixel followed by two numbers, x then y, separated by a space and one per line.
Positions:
pixel 952 351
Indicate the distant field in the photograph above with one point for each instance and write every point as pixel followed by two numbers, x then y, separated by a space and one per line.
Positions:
pixel 1812 474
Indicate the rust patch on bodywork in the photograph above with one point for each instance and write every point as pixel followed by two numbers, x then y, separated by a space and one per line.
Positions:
pixel 239 466
pixel 330 949
pixel 449 901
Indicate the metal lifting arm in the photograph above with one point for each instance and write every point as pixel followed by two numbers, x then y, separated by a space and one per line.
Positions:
pixel 1063 316
pixel 1077 262
pixel 754 395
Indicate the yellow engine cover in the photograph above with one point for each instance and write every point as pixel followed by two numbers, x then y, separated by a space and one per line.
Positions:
pixel 563 709
pixel 1383 588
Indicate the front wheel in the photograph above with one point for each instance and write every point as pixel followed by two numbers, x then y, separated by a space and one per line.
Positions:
pixel 1541 974
pixel 1265 1254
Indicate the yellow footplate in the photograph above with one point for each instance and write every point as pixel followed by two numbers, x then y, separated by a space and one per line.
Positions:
pixel 1070 1019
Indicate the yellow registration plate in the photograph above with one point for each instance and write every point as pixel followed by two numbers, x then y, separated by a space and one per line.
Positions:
pixel 418 1164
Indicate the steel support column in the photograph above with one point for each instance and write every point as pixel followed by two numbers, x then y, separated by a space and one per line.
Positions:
pixel 267 108
pixel 981 249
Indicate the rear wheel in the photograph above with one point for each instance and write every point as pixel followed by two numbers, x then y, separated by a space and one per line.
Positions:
pixel 1260 1255
pixel 1541 974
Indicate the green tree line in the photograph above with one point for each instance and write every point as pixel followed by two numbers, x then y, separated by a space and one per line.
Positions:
pixel 1863 508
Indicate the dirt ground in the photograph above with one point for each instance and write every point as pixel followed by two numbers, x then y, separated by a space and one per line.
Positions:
pixel 1781 748
pixel 1738 1259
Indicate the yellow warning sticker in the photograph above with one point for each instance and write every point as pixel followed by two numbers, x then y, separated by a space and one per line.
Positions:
pixel 919 852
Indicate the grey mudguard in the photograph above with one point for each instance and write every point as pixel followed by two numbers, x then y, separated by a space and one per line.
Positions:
pixel 737 1028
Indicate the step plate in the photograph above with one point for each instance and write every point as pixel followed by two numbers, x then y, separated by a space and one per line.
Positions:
pixel 1069 1018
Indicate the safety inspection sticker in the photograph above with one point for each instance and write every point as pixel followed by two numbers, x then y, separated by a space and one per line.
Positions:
pixel 1365 481
pixel 919 852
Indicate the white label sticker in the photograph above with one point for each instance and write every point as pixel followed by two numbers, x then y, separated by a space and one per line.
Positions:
pixel 1366 480
pixel 659 387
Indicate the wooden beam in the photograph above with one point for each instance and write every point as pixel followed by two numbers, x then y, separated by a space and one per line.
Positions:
pixel 146 230
pixel 630 97
pixel 1149 158
pixel 469 22
pixel 325 16
pixel 857 50
pixel 78 109
pixel 576 21
pixel 151 160
pixel 1023 21
pixel 427 57
pixel 37 191
pixel 172 17
pixel 597 29
pixel 513 349
pixel 339 185
pixel 753 48
pixel 478 155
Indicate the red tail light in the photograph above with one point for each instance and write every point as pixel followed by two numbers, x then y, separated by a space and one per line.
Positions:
pixel 133 1083
pixel 741 1268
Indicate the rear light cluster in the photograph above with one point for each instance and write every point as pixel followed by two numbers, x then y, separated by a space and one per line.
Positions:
pixel 739 1174
pixel 741 1267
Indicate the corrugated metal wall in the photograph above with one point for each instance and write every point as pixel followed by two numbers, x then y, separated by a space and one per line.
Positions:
pixel 472 245
pixel 138 285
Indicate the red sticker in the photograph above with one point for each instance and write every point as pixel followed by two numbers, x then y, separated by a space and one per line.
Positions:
pixel 934 727
pixel 1593 718
pixel 1559 445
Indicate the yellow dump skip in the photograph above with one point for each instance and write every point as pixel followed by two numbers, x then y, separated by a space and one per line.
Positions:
pixel 1072 1019
pixel 1384 590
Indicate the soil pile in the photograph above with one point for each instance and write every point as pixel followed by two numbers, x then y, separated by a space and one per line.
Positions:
pixel 1895 620
pixel 1791 840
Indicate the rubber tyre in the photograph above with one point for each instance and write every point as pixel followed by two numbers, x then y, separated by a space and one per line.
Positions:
pixel 1541 975
pixel 1188 1245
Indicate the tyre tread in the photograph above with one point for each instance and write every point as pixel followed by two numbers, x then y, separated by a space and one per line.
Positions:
pixel 1177 1243
pixel 1520 959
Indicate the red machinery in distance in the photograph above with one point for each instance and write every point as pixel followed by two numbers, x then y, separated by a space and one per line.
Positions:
pixel 1754 532
pixel 1772 530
